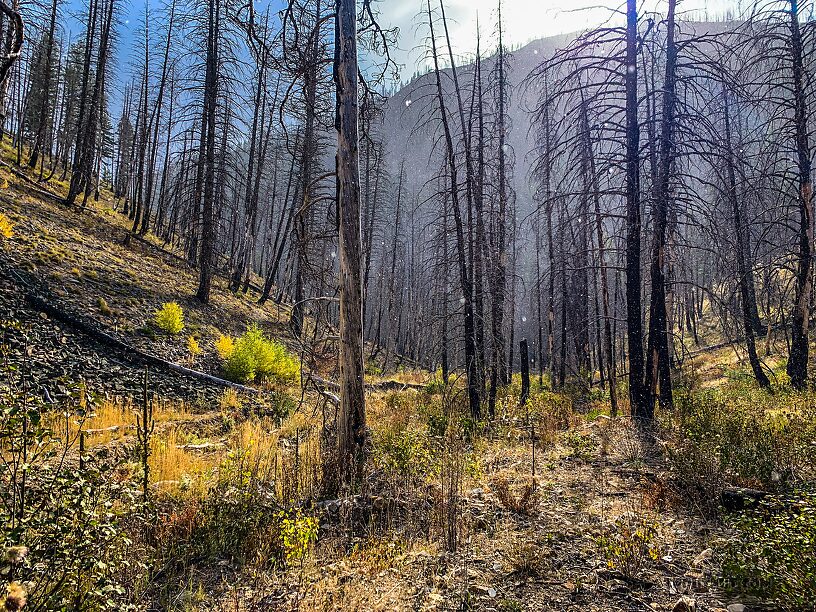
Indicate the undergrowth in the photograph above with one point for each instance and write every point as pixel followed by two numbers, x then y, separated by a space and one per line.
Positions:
pixel 738 436
pixel 770 554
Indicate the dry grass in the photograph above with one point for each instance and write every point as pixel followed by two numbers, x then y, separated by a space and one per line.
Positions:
pixel 519 497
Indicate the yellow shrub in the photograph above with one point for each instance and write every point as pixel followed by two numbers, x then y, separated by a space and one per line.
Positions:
pixel 193 347
pixel 224 346
pixel 6 228
pixel 256 356
pixel 170 318
pixel 103 306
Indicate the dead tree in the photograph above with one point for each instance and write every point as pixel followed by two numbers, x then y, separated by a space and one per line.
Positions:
pixel 352 425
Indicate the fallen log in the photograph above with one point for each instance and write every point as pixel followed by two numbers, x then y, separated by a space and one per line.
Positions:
pixel 31 186
pixel 91 432
pixel 737 499
pixel 386 385
pixel 393 385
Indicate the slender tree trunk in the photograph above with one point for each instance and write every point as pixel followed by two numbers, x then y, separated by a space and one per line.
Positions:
pixel 471 366
pixel 39 136
pixel 743 268
pixel 659 357
pixel 208 220
pixel 634 331
pixel 797 367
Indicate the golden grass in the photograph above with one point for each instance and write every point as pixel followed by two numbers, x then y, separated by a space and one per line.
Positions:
pixel 256 448
pixel 174 467
pixel 112 421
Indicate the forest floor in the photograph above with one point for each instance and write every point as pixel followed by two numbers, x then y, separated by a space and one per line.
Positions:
pixel 557 506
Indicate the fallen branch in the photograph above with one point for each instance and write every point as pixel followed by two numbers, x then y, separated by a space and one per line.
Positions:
pixel 31 185
pixel 202 446
pixel 112 428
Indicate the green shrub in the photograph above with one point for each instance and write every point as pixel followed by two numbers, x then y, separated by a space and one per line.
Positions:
pixel 435 418
pixel 730 436
pixel 170 318
pixel 372 369
pixel 254 356
pixel 224 346
pixel 297 533
pixel 581 446
pixel 240 366
pixel 405 454
pixel 771 555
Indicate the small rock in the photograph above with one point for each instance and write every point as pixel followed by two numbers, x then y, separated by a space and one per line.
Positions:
pixel 736 607
pixel 703 557
pixel 379 503
pixel 685 604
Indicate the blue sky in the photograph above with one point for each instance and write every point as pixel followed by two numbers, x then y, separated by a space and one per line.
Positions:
pixel 524 20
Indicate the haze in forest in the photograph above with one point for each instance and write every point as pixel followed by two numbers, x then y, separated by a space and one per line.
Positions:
pixel 351 305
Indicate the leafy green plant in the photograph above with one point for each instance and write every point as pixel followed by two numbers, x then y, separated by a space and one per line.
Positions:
pixel 170 318
pixel 254 356
pixel 737 436
pixel 372 369
pixel 631 545
pixel 581 446
pixel 224 346
pixel 297 533
pixel 434 415
pixel 771 553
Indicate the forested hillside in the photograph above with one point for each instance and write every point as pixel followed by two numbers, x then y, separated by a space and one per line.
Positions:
pixel 528 331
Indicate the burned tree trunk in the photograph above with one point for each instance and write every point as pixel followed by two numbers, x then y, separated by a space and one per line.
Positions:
pixel 525 371
pixel 352 425
pixel 744 271
pixel 658 360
